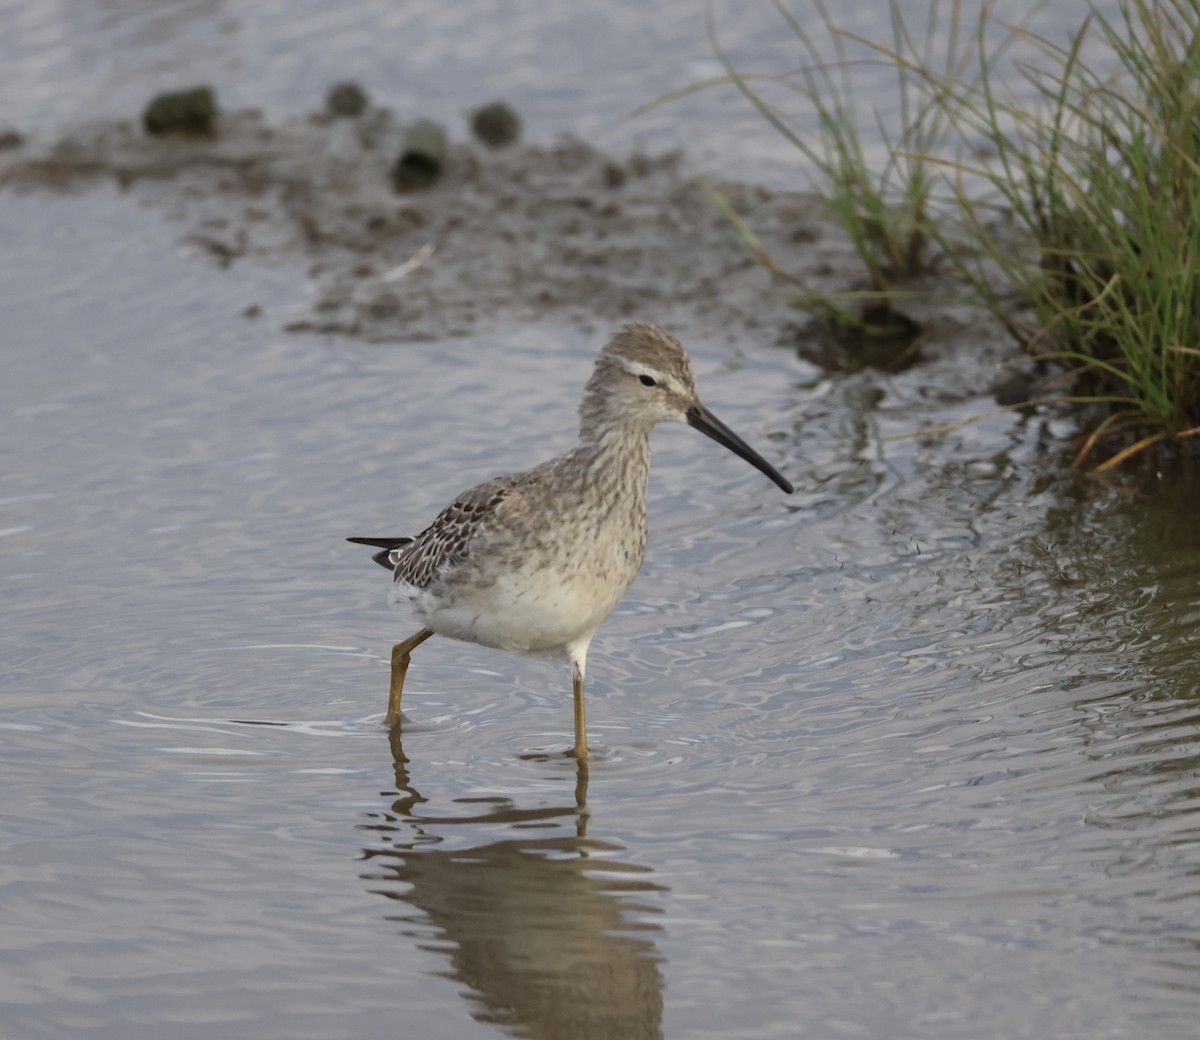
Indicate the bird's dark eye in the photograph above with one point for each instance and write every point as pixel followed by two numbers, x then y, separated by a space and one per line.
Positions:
pixel 648 380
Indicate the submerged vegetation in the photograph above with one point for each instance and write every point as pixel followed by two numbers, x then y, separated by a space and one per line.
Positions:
pixel 1066 198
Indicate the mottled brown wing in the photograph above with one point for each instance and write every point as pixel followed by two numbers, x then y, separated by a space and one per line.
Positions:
pixel 447 540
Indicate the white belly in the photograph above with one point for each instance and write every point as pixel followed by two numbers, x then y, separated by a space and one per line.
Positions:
pixel 537 617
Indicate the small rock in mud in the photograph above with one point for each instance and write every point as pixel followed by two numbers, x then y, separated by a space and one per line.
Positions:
pixel 421 161
pixel 191 112
pixel 614 175
pixel 1016 390
pixel 496 125
pixel 884 339
pixel 10 139
pixel 882 323
pixel 346 99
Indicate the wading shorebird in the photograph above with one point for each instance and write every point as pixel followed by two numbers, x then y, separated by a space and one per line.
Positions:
pixel 535 561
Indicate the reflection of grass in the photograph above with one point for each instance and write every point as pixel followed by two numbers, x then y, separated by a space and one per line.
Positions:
pixel 1082 207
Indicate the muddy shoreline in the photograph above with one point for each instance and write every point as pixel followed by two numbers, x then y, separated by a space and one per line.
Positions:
pixel 523 233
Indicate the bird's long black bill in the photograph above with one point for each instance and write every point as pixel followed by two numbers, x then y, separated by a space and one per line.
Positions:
pixel 700 418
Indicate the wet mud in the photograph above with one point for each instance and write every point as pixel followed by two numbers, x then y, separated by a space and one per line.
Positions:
pixel 513 234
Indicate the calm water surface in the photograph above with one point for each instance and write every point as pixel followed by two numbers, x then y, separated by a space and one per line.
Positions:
pixel 911 753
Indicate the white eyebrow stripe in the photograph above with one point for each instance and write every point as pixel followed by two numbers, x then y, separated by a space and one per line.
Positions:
pixel 665 380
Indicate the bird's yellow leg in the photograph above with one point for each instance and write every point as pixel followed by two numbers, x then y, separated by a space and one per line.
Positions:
pixel 581 791
pixel 400 657
pixel 581 741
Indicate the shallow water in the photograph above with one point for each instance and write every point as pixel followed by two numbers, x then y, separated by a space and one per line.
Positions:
pixel 911 753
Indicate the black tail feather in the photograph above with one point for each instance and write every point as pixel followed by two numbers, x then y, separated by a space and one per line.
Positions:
pixel 386 544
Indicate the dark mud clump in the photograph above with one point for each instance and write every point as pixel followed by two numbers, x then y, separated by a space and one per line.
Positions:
pixel 190 112
pixel 424 156
pixel 496 125
pixel 346 100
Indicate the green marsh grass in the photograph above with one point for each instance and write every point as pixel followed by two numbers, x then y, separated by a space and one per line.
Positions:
pixel 1070 209
pixel 1100 177
pixel 883 206
pixel 879 185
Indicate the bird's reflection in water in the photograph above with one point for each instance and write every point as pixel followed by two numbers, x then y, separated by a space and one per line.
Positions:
pixel 546 929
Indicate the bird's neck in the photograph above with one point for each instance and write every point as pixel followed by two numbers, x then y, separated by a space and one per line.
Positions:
pixel 617 459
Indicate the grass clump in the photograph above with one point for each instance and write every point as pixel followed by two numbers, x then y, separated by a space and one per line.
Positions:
pixel 1101 177
pixel 1074 198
